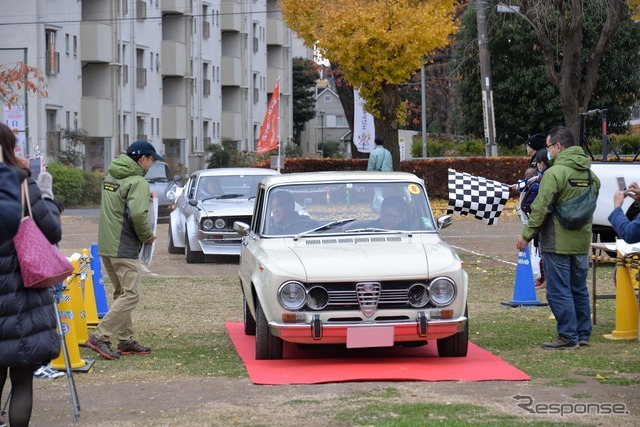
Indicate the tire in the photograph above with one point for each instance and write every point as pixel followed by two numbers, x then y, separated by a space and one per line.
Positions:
pixel 193 257
pixel 249 321
pixel 268 347
pixel 456 345
pixel 172 248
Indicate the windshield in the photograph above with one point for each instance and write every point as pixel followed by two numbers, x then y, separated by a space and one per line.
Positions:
pixel 359 207
pixel 227 186
pixel 158 172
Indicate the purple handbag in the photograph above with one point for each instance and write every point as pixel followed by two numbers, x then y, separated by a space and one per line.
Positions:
pixel 41 263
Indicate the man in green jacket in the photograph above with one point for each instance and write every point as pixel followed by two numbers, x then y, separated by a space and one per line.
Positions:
pixel 565 253
pixel 124 226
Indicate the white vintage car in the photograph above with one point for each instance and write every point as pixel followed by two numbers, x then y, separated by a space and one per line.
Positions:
pixel 210 202
pixel 362 266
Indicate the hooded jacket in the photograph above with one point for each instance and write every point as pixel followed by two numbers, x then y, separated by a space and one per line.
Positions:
pixel 124 213
pixel 565 179
pixel 27 316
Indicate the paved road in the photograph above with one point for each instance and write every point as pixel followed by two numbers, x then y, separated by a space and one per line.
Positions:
pixel 492 245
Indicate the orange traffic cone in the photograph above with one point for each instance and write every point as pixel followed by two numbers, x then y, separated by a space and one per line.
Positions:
pixel 66 314
pixel 89 297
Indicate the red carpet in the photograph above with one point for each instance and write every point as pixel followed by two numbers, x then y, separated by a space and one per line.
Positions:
pixel 328 364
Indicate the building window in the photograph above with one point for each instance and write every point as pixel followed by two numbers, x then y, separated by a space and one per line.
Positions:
pixel 141 10
pixel 151 61
pixel 67 47
pixel 67 119
pixel 158 62
pixel 75 46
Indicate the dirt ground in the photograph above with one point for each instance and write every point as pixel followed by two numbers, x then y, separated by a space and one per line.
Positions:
pixel 224 401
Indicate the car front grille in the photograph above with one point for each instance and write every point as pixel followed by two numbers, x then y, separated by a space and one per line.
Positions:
pixel 355 296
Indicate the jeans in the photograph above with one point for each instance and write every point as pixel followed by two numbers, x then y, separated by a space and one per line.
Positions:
pixel 568 295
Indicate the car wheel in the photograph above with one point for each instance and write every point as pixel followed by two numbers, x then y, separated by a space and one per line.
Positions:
pixel 193 257
pixel 455 345
pixel 249 321
pixel 268 347
pixel 172 248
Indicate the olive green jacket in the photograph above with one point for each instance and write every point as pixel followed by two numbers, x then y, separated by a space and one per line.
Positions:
pixel 564 180
pixel 124 213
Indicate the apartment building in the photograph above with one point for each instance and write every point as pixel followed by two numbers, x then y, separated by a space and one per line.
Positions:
pixel 181 74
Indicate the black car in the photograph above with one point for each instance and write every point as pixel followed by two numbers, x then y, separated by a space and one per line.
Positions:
pixel 164 185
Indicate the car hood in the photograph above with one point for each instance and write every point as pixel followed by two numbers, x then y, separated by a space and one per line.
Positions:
pixel 371 257
pixel 228 207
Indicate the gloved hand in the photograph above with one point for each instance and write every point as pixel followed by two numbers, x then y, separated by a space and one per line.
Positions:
pixel 45 183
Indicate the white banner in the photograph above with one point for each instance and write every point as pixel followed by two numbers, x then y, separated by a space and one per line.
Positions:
pixel 14 117
pixel 363 127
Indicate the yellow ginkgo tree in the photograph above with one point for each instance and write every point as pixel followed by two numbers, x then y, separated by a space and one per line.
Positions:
pixel 378 44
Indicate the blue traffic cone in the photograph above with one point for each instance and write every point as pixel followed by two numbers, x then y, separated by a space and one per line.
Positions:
pixel 98 284
pixel 524 290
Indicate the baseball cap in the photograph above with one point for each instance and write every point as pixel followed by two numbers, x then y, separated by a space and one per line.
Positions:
pixel 143 148
pixel 537 141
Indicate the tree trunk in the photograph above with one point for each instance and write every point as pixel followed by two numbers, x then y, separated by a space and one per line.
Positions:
pixel 387 123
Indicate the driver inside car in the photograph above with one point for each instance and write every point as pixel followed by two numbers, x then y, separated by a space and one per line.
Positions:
pixel 283 216
pixel 210 187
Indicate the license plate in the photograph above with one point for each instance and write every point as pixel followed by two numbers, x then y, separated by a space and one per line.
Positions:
pixel 376 336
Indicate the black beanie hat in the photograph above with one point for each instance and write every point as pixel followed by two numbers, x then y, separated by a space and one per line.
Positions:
pixel 537 141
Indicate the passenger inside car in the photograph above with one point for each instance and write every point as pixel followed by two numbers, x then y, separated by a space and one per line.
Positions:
pixel 209 187
pixel 283 218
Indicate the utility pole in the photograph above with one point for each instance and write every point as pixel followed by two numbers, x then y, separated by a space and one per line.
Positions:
pixel 491 149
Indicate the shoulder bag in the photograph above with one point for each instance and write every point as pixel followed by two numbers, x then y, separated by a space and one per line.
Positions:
pixel 575 213
pixel 41 263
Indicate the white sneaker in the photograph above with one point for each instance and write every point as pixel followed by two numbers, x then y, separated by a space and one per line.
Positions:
pixel 47 372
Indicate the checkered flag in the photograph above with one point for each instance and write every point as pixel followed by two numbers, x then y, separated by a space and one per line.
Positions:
pixel 483 198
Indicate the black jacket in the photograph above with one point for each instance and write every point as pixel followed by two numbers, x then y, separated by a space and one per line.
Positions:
pixel 27 317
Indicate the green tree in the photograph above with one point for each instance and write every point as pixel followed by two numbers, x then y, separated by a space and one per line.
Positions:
pixel 304 77
pixel 377 44
pixel 526 99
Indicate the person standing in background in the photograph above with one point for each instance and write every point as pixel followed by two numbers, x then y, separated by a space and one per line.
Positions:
pixel 380 158
pixel 123 228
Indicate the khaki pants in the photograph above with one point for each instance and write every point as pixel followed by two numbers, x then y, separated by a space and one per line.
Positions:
pixel 124 274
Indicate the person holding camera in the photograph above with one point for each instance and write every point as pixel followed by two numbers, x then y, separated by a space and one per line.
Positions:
pixel 628 229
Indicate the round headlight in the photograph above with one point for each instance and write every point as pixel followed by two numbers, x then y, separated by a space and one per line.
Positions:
pixel 171 194
pixel 220 223
pixel 292 295
pixel 207 224
pixel 442 291
pixel 418 295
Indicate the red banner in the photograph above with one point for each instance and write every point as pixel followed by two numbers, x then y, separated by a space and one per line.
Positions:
pixel 269 134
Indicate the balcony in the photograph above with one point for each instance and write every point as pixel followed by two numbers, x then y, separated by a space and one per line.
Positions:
pixel 231 125
pixel 231 71
pixel 231 16
pixel 174 58
pixel 97 42
pixel 181 7
pixel 174 122
pixel 94 111
pixel 275 32
pixel 272 76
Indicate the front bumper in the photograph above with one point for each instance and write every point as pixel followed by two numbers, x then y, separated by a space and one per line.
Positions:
pixel 317 332
pixel 222 243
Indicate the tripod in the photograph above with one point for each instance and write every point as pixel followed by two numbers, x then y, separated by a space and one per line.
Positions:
pixel 56 292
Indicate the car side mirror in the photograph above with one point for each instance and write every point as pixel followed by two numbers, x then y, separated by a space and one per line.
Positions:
pixel 444 222
pixel 242 228
pixel 194 203
pixel 177 178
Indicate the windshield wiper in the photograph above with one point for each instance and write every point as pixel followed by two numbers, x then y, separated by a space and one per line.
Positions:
pixel 230 196
pixel 371 229
pixel 324 227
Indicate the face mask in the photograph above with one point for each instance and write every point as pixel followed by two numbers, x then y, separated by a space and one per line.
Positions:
pixel 549 156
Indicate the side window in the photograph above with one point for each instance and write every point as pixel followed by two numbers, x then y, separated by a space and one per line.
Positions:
pixel 258 210
pixel 167 172
pixel 191 187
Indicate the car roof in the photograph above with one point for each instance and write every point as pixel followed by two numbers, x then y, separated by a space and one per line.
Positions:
pixel 235 171
pixel 339 176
